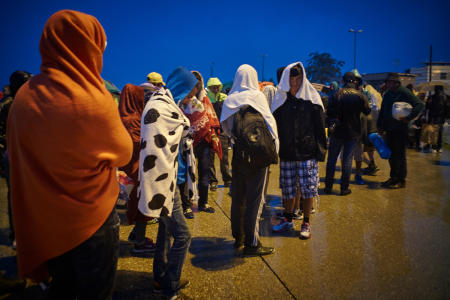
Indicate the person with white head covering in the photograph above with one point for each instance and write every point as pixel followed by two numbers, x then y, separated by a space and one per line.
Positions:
pixel 247 184
pixel 299 113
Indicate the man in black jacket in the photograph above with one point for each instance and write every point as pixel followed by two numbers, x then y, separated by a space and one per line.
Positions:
pixel 397 130
pixel 344 130
pixel 298 111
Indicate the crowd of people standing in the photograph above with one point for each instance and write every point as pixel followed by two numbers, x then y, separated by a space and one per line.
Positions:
pixel 67 140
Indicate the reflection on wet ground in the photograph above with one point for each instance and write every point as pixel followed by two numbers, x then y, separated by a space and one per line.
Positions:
pixel 374 243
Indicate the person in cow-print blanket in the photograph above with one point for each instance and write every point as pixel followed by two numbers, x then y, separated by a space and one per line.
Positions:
pixel 164 129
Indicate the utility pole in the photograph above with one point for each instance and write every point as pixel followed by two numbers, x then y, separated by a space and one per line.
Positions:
pixel 354 44
pixel 430 68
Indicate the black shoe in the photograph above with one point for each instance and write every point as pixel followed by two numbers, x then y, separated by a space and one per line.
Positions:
pixel 390 183
pixel 207 208
pixel 258 250
pixel 238 243
pixel 401 184
pixel 371 170
pixel 346 192
pixel 213 186
pixel 188 213
pixel 157 287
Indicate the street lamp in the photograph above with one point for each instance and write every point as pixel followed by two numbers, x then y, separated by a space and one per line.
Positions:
pixel 263 59
pixel 354 45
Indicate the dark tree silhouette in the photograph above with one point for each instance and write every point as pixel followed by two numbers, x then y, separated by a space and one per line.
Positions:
pixel 322 68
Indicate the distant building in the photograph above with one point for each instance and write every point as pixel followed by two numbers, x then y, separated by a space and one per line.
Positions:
pixel 440 71
pixel 377 79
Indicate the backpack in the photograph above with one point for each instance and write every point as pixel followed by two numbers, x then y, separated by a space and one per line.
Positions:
pixel 254 146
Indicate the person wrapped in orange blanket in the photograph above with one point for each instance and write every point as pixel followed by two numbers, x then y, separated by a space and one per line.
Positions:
pixel 66 141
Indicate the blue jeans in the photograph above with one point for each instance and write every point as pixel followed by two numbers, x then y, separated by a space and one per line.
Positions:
pixel 169 260
pixel 335 148
pixel 88 271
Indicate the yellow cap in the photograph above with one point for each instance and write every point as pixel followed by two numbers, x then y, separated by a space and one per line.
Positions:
pixel 154 77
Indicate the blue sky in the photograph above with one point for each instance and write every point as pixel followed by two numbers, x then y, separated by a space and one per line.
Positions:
pixel 146 36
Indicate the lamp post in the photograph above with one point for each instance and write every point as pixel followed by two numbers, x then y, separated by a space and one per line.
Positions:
pixel 263 59
pixel 354 44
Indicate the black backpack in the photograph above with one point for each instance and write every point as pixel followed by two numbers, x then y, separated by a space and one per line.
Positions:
pixel 254 146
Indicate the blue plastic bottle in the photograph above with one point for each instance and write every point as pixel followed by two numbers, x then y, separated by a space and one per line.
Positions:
pixel 380 145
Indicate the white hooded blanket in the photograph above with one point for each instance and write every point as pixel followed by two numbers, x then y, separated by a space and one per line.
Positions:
pixel 245 91
pixel 306 91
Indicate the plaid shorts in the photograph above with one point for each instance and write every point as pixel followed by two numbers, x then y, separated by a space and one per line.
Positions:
pixel 299 173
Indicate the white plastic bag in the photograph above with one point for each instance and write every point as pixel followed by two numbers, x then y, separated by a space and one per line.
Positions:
pixel 401 110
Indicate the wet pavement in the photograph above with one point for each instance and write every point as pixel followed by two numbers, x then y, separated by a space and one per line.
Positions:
pixel 374 244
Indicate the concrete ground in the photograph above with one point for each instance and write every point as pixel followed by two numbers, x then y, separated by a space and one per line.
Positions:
pixel 372 244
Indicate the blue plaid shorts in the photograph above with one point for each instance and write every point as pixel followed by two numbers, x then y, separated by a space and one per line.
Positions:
pixel 299 173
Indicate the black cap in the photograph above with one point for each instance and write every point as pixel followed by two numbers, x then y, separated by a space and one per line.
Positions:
pixel 349 77
pixel 393 77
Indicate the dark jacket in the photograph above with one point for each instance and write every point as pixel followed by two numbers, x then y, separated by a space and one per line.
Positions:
pixel 301 130
pixel 4 110
pixel 347 106
pixel 385 120
pixel 437 107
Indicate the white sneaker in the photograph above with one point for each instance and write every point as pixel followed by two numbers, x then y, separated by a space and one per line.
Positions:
pixel 305 232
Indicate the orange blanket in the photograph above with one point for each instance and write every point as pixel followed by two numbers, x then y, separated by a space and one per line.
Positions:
pixel 65 140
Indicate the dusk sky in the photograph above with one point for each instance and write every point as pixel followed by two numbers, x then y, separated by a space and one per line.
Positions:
pixel 146 36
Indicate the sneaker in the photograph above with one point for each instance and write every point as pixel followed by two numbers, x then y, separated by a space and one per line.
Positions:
pixel 359 179
pixel 213 186
pixel 157 288
pixel 305 232
pixel 207 208
pixel 283 226
pixel 346 192
pixel 146 247
pixel 258 250
pixel 298 215
pixel 188 213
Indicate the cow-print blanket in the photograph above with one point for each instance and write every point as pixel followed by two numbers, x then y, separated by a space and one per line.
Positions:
pixel 163 128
